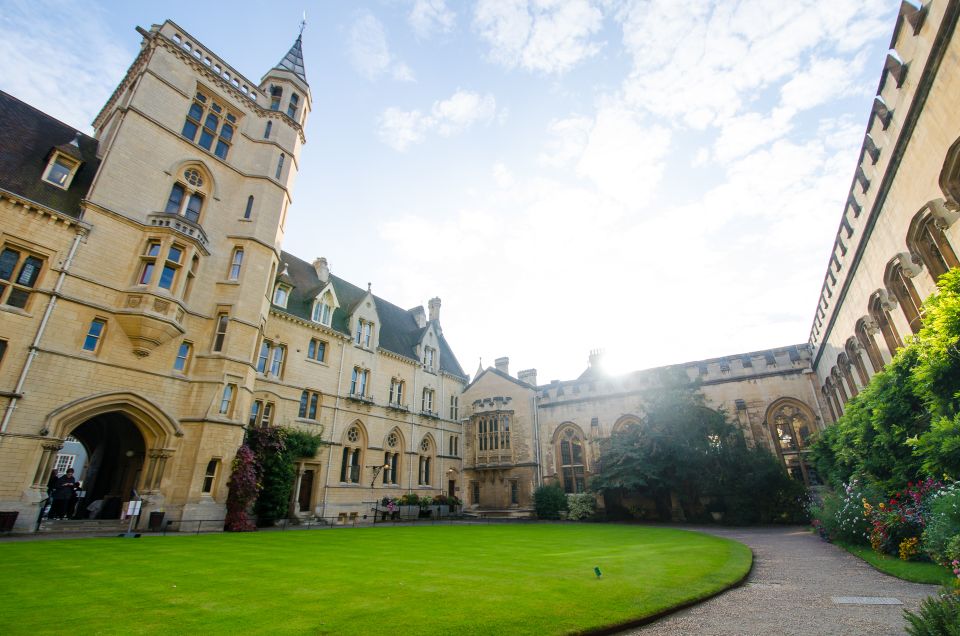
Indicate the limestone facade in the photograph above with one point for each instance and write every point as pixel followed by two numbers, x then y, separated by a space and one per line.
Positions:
pixel 146 307
pixel 898 231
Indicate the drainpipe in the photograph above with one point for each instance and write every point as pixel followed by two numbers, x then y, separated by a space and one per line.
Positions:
pixel 536 435
pixel 333 428
pixel 12 405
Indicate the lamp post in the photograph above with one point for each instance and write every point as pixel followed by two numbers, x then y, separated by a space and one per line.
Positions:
pixel 376 501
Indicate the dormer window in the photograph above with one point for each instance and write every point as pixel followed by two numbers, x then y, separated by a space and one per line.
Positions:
pixel 429 355
pixel 60 170
pixel 364 333
pixel 281 294
pixel 322 310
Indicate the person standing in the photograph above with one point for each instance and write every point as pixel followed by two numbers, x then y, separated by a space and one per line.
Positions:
pixel 51 488
pixel 61 496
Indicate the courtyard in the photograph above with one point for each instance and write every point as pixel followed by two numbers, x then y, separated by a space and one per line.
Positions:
pixel 504 579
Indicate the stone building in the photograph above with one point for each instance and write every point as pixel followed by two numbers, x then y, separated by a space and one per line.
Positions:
pixel 519 435
pixel 147 311
pixel 898 231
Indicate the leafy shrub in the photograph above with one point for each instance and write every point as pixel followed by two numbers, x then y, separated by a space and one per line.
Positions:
pixel 937 616
pixel 943 524
pixel 549 500
pixel 243 491
pixel 841 517
pixel 410 499
pixel 580 506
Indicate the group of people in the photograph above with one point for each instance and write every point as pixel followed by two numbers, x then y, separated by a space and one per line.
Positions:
pixel 62 492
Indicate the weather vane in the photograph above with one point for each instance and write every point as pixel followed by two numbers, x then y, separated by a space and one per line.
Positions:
pixel 303 22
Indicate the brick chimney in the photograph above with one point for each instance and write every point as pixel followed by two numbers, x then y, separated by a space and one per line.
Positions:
pixel 322 269
pixel 434 308
pixel 596 358
pixel 502 364
pixel 528 375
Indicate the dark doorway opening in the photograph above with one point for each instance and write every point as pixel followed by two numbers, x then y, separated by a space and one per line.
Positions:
pixel 115 456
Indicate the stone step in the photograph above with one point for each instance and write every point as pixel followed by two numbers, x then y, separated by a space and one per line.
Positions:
pixel 83 525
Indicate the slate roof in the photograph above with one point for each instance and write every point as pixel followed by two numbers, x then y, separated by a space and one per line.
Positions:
pixel 398 329
pixel 27 137
pixel 293 60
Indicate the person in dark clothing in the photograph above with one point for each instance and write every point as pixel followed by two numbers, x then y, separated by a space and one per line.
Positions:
pixel 51 488
pixel 66 486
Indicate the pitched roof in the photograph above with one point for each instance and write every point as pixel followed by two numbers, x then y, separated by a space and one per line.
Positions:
pixel 399 331
pixel 27 137
pixel 293 60
pixel 497 372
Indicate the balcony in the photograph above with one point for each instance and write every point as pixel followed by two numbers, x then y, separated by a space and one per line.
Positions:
pixel 149 321
pixel 186 228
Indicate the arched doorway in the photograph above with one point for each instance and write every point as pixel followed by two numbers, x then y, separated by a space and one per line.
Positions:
pixel 116 453
pixel 129 441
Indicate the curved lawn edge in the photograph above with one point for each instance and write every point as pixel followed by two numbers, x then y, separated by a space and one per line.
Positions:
pixel 912 571
pixel 650 618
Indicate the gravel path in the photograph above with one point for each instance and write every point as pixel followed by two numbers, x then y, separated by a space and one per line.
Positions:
pixel 791 590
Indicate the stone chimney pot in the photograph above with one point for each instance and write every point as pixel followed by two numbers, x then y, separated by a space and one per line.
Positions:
pixel 323 270
pixel 502 365
pixel 434 307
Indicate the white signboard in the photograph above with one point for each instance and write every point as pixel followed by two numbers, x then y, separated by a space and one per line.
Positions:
pixel 132 509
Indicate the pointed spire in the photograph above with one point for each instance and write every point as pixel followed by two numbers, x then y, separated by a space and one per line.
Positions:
pixel 293 60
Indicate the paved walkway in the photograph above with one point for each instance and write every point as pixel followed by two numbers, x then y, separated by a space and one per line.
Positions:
pixel 791 590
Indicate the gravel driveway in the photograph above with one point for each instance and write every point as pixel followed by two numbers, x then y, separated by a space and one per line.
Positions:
pixel 797 586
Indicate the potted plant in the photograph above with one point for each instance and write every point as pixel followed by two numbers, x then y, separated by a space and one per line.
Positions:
pixel 441 505
pixel 425 502
pixel 409 506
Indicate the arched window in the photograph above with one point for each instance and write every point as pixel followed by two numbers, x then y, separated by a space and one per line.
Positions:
pixel 791 423
pixel 838 383
pixel 880 306
pixel 572 463
pixel 950 174
pixel 625 422
pixel 843 363
pixel 266 131
pixel 426 461
pixel 926 238
pixel 852 349
pixel 280 165
pixel 187 195
pixel 249 209
pixel 352 459
pixel 393 444
pixel 864 333
pixel 323 309
pixel 825 391
pixel 898 281
pixel 834 398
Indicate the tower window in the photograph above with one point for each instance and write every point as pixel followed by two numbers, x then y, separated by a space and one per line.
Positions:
pixel 280 165
pixel 275 94
pixel 215 125
pixel 235 262
pixel 267 129
pixel 186 199
pixel 19 272
pixel 249 210
pixel 292 107
pixel 94 335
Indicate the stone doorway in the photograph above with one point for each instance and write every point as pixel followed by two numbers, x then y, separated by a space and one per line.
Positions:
pixel 116 452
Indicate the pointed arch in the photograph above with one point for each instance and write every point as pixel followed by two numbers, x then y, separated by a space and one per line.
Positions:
pixel 393 447
pixel 879 308
pixel 791 423
pixel 843 363
pixel 570 451
pixel 158 427
pixel 950 174
pixel 853 349
pixel 354 442
pixel 898 277
pixel 624 422
pixel 427 451
pixel 864 332
pixel 210 185
pixel 926 238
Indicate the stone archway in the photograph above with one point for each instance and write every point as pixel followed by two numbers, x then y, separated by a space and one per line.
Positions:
pixel 791 423
pixel 129 440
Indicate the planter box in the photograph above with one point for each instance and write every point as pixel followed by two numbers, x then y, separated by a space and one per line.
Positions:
pixel 440 511
pixel 409 512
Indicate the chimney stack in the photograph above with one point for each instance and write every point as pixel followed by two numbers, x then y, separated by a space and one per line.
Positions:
pixel 596 358
pixel 323 270
pixel 528 375
pixel 434 307
pixel 502 364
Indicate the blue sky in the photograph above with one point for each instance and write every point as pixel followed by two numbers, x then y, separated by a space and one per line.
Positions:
pixel 660 179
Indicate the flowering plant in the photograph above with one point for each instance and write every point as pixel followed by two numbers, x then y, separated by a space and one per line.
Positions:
pixel 903 517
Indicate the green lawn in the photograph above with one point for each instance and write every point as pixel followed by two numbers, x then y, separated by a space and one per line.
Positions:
pixel 496 579
pixel 916 571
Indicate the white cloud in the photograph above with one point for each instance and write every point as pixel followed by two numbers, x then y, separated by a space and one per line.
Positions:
pixel 370 54
pixel 568 138
pixel 548 36
pixel 821 81
pixel 741 134
pixel 705 64
pixel 502 175
pixel 623 157
pixel 61 58
pixel 431 16
pixel 399 129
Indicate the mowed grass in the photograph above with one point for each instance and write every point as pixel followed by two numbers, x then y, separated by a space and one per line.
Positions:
pixel 495 579
pixel 915 571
